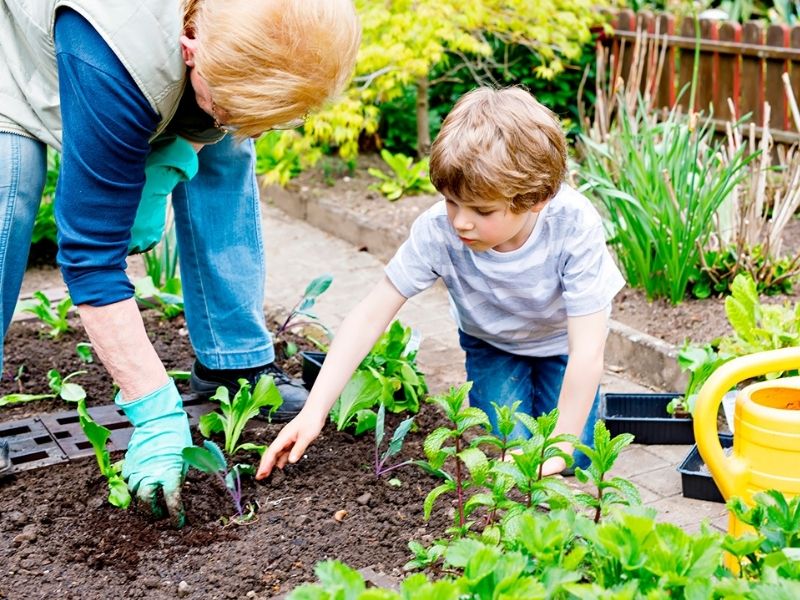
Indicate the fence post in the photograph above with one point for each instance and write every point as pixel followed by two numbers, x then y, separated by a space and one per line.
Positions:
pixel 752 74
pixel 729 74
pixel 686 68
pixel 666 86
pixel 794 73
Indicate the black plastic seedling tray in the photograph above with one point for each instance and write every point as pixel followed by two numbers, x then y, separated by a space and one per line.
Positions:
pixel 696 480
pixel 646 417
pixel 312 363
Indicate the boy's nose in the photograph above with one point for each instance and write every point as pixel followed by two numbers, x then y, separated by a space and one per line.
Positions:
pixel 461 222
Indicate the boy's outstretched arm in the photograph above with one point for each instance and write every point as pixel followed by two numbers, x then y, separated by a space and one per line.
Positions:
pixel 587 339
pixel 356 336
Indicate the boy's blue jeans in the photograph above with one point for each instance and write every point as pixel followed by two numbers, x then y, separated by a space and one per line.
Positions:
pixel 505 378
pixel 218 225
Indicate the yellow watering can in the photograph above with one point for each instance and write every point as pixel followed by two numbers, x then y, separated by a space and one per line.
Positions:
pixel 766 441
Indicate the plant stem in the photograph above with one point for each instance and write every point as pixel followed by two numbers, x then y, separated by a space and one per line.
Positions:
pixel 599 508
pixel 459 486
pixel 393 467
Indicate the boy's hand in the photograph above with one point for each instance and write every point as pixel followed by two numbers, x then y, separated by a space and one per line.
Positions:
pixel 291 443
pixel 553 466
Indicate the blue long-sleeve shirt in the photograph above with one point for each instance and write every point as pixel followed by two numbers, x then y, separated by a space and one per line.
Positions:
pixel 107 124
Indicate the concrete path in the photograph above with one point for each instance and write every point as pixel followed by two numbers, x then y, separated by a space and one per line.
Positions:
pixel 298 252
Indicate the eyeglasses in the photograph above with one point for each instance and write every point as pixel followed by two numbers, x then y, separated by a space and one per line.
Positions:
pixel 293 124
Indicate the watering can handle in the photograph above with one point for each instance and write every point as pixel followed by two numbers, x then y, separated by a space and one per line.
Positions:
pixel 728 472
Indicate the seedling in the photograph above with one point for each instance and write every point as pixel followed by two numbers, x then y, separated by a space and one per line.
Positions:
pixel 679 407
pixel 395 444
pixel 84 352
pixel 406 177
pixel 118 494
pixel 210 459
pixel 302 315
pixel 168 299
pixel 234 414
pixel 61 386
pixel 603 456
pixel 53 316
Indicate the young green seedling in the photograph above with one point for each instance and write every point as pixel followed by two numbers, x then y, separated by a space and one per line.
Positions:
pixel 603 456
pixel 118 494
pixel 168 299
pixel 84 352
pixel 234 414
pixel 210 459
pixel 395 444
pixel 302 315
pixel 61 386
pixel 55 317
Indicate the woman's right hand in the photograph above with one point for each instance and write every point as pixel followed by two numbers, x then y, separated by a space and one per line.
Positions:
pixel 291 442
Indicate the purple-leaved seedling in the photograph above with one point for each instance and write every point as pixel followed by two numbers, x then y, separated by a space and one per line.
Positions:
pixel 395 444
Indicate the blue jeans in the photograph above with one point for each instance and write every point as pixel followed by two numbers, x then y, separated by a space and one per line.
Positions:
pixel 218 226
pixel 504 378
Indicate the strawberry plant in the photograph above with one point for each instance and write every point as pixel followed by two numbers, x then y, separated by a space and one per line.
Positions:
pixel 118 494
pixel 53 316
pixel 234 414
pixel 210 459
pixel 60 386
pixel 406 177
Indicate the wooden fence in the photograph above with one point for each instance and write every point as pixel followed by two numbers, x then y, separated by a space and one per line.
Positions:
pixel 742 62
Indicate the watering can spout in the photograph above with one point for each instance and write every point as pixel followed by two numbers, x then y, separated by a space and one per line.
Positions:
pixel 768 431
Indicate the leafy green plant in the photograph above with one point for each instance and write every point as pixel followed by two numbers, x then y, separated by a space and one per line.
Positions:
pixel 609 492
pixel 161 288
pixel 84 352
pixel 53 316
pixel 234 414
pixel 302 314
pixel 406 177
pixel 210 459
pixel 60 386
pixel 44 227
pixel 118 494
pixel 395 444
pixel 387 376
pixel 660 184
pixel 282 155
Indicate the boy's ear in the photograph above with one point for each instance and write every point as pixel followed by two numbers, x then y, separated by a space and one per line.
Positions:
pixel 188 48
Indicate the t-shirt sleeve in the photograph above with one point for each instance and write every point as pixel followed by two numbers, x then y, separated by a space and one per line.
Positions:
pixel 107 124
pixel 412 269
pixel 589 276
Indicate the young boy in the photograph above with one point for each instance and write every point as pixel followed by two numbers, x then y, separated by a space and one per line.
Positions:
pixel 524 259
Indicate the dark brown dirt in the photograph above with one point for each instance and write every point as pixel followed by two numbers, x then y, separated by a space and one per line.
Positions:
pixel 61 539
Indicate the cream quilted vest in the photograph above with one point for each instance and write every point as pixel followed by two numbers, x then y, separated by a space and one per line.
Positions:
pixel 144 34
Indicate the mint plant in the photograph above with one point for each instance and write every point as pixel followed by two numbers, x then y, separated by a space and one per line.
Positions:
pixel 302 315
pixel 60 386
pixel 118 494
pixel 395 444
pixel 54 317
pixel 234 414
pixel 210 459
pixel 605 453
pixel 406 177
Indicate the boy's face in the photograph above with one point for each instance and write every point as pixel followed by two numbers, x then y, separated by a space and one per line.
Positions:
pixel 490 224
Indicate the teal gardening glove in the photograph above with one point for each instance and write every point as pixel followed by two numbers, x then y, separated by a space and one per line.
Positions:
pixel 171 161
pixel 154 459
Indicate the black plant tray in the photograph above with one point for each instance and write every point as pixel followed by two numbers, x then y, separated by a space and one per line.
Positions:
pixel 646 417
pixel 312 363
pixel 696 481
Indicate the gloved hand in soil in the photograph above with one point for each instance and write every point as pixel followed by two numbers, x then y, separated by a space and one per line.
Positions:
pixel 153 460
pixel 171 161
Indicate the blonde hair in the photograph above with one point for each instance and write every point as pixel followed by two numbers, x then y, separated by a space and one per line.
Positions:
pixel 268 62
pixel 499 144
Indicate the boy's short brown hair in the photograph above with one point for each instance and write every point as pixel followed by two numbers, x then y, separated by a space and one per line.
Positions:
pixel 499 144
pixel 270 62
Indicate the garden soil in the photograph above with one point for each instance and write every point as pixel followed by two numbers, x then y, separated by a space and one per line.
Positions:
pixel 61 539
pixel 698 320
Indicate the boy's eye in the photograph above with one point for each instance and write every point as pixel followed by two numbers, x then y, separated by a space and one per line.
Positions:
pixel 483 213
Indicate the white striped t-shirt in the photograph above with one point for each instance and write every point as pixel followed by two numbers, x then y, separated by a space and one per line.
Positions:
pixel 518 301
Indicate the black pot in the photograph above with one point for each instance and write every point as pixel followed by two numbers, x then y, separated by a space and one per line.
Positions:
pixel 646 417
pixel 312 363
pixel 695 480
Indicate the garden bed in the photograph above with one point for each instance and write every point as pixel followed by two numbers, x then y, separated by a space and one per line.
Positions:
pixel 62 539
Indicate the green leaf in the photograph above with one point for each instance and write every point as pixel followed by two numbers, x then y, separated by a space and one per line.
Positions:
pixel 427 505
pixel 396 443
pixel 211 423
pixel 22 398
pixel 118 494
pixel 72 392
pixel 204 459
pixel 361 392
pixel 318 286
